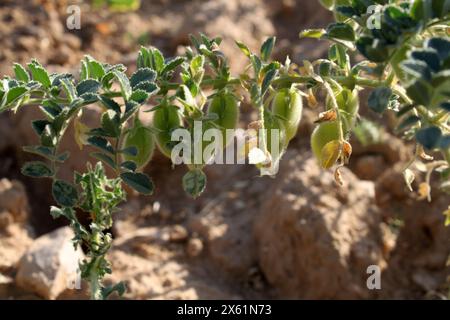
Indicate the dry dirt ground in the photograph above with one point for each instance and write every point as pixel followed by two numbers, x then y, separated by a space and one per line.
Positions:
pixel 296 236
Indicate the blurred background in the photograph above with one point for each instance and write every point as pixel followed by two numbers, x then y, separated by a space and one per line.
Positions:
pixel 297 236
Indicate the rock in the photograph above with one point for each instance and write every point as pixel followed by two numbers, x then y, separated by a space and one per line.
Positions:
pixel 227 238
pixel 14 241
pixel 14 236
pixel 5 285
pixel 370 167
pixel 13 202
pixel 315 240
pixel 418 261
pixel 49 265
pixel 178 233
pixel 391 187
pixel 392 149
pixel 61 56
pixel 26 43
pixel 194 247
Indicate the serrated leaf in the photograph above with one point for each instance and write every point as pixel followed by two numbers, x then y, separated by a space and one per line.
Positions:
pixel 429 137
pixel 40 150
pixel 105 158
pixel 338 54
pixel 39 126
pixel 64 193
pixel 69 89
pixel 57 78
pixel 172 64
pixel 20 73
pixel 101 143
pixel 157 60
pixel 96 70
pixel 341 31
pixel 194 182
pixel 420 91
pixel 48 138
pixel 143 60
pixel 429 56
pixel 243 48
pixel 256 63
pixel 40 75
pixel 89 98
pixel 88 86
pixel 441 45
pixel 111 123
pixel 37 169
pixel 131 107
pixel 141 75
pixel 138 181
pixel 110 103
pixel 15 93
pixel 129 165
pixel 267 47
pixel 330 153
pixel 124 83
pixel 84 71
pixel 268 80
pixel 417 69
pixel 379 99
pixel 149 87
pixel 140 96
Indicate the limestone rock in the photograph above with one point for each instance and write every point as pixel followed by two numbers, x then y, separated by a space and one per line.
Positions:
pixel 315 239
pixel 14 236
pixel 13 202
pixel 50 264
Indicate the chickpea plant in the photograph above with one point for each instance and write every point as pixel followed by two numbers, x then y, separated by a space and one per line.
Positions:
pixel 406 51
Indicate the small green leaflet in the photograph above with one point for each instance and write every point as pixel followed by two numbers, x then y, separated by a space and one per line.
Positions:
pixel 64 193
pixel 194 182
pixel 138 181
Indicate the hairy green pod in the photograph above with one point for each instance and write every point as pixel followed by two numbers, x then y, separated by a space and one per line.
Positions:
pixel 288 104
pixel 323 134
pixel 165 120
pixel 226 107
pixel 143 140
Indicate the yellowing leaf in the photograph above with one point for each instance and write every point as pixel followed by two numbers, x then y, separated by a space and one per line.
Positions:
pixel 81 135
pixel 447 215
pixel 424 191
pixel 329 115
pixel 347 149
pixel 330 153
